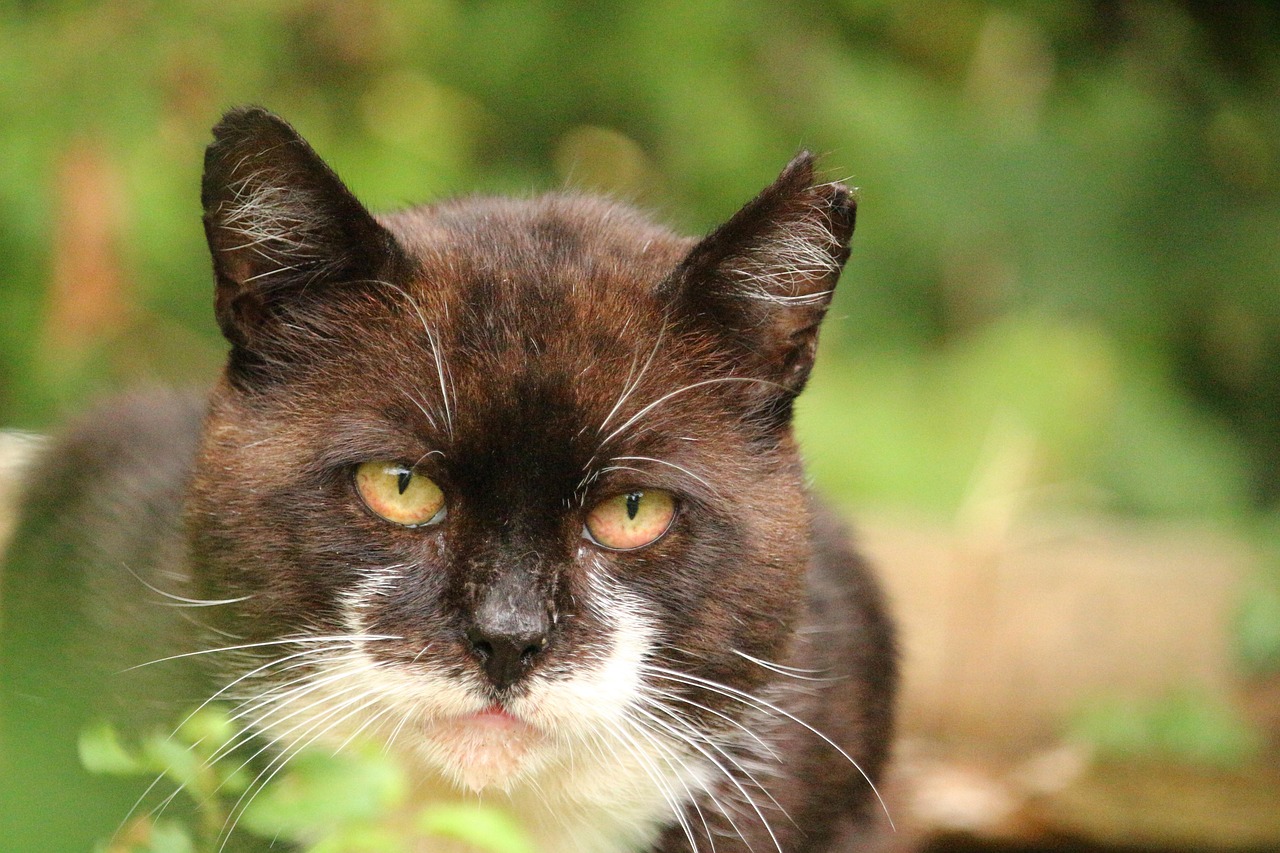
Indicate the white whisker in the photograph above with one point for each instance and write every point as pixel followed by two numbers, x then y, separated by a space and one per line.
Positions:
pixel 619 729
pixel 181 601
pixel 684 389
pixel 263 644
pixel 679 468
pixel 692 740
pixel 788 671
pixel 755 701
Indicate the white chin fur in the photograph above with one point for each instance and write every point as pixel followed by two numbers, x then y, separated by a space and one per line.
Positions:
pixel 481 752
pixel 571 763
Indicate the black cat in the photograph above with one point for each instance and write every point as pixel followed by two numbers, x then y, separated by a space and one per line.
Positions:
pixel 508 483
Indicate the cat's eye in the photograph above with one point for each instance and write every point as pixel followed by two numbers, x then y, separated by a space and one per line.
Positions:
pixel 631 520
pixel 399 494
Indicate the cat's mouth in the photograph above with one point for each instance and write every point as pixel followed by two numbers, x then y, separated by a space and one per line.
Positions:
pixel 486 748
pixel 495 715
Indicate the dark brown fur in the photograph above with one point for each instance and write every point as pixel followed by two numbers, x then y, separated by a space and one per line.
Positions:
pixel 515 350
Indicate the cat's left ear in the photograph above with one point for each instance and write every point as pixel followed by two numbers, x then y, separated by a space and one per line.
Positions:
pixel 765 278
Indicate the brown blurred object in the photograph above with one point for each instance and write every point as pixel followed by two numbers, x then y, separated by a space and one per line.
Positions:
pixel 88 289
pixel 1008 630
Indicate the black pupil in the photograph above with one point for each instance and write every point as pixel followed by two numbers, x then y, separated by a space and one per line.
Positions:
pixel 402 480
pixel 633 504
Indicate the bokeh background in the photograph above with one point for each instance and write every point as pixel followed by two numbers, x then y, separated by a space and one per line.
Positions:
pixel 1050 385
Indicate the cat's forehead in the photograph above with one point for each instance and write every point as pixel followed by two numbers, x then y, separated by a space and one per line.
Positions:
pixel 543 244
pixel 540 283
pixel 535 310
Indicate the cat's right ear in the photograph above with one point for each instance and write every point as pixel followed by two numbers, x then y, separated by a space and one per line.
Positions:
pixel 281 227
pixel 764 279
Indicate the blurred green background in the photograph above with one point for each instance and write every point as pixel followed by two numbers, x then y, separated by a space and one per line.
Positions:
pixel 1068 233
pixel 1065 282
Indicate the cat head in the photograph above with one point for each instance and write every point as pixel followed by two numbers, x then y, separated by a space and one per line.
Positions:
pixel 523 463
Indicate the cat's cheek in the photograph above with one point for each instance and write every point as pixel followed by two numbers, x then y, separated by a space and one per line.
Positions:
pixel 401 599
pixel 354 693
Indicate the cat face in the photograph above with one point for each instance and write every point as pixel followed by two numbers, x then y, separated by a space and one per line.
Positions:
pixel 508 482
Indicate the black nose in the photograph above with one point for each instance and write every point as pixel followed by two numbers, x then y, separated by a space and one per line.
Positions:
pixel 507 642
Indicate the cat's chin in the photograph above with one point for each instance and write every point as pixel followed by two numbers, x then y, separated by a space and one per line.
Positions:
pixel 487 749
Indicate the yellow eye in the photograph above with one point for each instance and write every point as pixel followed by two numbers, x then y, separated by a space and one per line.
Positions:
pixel 399 494
pixel 631 520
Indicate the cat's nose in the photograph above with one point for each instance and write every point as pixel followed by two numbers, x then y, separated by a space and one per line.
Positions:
pixel 507 640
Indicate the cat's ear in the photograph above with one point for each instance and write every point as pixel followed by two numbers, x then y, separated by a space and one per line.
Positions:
pixel 281 225
pixel 764 279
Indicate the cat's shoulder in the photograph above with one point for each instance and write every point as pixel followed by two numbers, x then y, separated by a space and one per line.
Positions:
pixel 135 448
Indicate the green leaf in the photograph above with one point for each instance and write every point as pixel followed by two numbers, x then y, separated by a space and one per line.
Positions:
pixel 175 760
pixel 1258 629
pixel 363 839
pixel 319 793
pixel 169 836
pixel 1189 727
pixel 209 729
pixel 150 836
pixel 482 827
pixel 102 752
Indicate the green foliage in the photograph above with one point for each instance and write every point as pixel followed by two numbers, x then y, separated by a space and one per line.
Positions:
pixel 1063 285
pixel 1054 409
pixel 343 802
pixel 326 796
pixel 1189 727
pixel 1257 621
pixel 483 828
pixel 1258 628
pixel 1114 176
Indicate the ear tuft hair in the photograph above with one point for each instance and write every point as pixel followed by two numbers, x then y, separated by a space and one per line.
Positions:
pixel 281 225
pixel 765 278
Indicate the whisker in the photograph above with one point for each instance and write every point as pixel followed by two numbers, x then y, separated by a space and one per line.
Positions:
pixel 679 468
pixel 420 407
pixel 789 671
pixel 728 813
pixel 320 727
pixel 441 368
pixel 630 385
pixel 763 744
pixel 748 699
pixel 410 713
pixel 181 601
pixel 684 389
pixel 257 670
pixel 259 700
pixel 263 644
pixel 680 720
pixel 308 724
pixel 618 730
pixel 692 738
pixel 279 701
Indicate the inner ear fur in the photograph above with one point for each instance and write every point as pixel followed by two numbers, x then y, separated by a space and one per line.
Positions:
pixel 281 226
pixel 764 279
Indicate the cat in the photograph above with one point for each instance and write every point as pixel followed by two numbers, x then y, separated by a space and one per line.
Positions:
pixel 509 484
